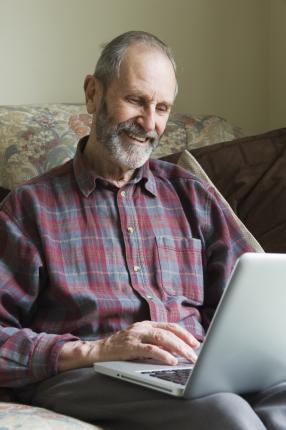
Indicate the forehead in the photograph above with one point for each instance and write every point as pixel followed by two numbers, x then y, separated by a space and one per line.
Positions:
pixel 146 70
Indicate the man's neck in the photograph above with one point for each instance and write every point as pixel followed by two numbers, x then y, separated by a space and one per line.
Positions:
pixel 103 165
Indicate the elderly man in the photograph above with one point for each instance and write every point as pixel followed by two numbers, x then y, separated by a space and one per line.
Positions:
pixel 93 239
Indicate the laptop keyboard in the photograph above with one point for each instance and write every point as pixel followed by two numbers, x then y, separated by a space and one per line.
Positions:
pixel 179 376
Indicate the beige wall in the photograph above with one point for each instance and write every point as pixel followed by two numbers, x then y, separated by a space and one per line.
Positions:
pixel 277 65
pixel 221 47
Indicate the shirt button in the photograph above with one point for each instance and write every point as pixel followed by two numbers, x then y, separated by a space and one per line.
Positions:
pixel 123 193
pixel 130 230
pixel 149 297
pixel 136 268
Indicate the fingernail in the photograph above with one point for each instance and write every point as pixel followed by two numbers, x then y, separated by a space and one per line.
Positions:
pixel 173 361
pixel 192 357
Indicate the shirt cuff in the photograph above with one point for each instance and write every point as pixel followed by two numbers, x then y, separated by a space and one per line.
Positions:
pixel 44 358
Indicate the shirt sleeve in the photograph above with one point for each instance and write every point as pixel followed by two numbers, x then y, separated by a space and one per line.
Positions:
pixel 25 355
pixel 224 241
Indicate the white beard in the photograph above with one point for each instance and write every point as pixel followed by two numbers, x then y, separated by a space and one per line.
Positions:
pixel 129 155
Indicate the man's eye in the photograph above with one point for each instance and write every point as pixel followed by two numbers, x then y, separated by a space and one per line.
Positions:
pixel 134 101
pixel 162 108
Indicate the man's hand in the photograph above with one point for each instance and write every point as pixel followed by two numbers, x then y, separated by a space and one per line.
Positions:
pixel 142 340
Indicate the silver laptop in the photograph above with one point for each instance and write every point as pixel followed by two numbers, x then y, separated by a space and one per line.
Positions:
pixel 245 347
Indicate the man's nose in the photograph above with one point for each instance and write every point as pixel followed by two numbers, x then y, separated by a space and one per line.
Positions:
pixel 147 119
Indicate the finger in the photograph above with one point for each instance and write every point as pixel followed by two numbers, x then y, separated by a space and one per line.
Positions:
pixel 168 341
pixel 154 352
pixel 116 348
pixel 180 332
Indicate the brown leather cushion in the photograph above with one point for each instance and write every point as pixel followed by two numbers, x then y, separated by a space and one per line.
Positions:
pixel 250 172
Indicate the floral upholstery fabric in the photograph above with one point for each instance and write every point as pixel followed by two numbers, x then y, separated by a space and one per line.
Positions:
pixel 35 138
pixel 203 130
pixel 20 417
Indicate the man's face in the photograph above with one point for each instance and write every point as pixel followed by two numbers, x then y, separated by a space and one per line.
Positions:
pixel 132 115
pixel 114 137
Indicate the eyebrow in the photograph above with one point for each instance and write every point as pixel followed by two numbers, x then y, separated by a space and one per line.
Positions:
pixel 137 93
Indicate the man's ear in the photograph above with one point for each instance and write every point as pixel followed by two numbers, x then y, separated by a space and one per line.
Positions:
pixel 93 91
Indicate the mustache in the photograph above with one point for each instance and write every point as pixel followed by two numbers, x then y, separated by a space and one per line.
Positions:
pixel 133 128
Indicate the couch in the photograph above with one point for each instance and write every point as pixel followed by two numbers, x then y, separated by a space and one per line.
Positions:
pixel 250 172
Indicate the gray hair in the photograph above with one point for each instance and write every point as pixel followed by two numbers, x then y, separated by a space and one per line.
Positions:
pixel 108 65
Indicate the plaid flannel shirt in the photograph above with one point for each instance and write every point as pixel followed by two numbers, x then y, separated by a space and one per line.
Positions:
pixel 81 259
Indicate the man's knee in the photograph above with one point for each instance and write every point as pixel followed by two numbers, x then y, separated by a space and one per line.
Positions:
pixel 225 411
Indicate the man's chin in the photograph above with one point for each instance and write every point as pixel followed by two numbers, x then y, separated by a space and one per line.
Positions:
pixel 134 160
pixel 129 155
pixel 133 164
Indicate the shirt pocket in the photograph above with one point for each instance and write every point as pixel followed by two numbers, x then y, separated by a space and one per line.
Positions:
pixel 181 268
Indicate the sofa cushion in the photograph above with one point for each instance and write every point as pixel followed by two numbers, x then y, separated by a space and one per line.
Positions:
pixel 35 138
pixel 250 172
pixel 21 417
pixel 204 130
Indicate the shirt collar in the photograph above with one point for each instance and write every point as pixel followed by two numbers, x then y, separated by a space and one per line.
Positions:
pixel 148 179
pixel 87 179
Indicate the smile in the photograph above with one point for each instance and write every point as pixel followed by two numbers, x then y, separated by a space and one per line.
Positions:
pixel 136 137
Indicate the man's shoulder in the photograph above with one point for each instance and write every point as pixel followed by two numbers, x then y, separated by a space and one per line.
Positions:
pixel 172 172
pixel 53 177
pixel 41 189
